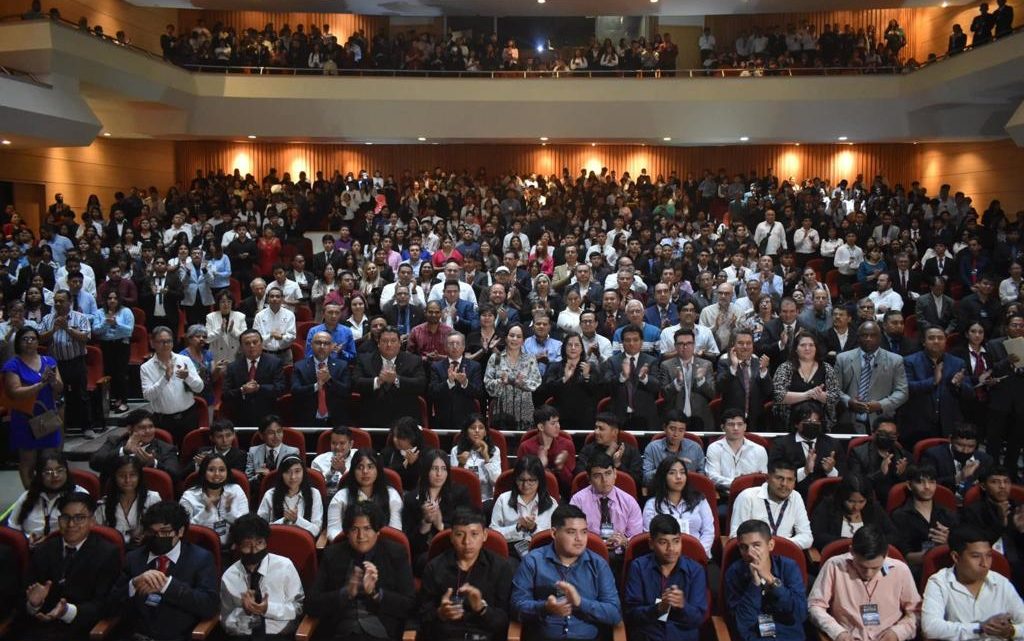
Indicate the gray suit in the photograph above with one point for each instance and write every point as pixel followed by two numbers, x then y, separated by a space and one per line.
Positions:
pixel 700 395
pixel 928 316
pixel 257 458
pixel 888 385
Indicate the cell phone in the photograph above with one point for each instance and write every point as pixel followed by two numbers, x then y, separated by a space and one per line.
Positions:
pixel 457 600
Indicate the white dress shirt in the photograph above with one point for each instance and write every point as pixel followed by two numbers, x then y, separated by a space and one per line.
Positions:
pixel 297 503
pixel 290 290
pixel 280 586
pixel 789 516
pixel 36 520
pixel 604 346
pixel 127 523
pixel 416 296
pixel 488 472
pixel 336 509
pixel 951 613
pixel 723 464
pixel 466 293
pixel 705 341
pixel 232 504
pixel 888 299
pixel 322 464
pixel 848 259
pixel 283 322
pixel 505 519
pixel 169 395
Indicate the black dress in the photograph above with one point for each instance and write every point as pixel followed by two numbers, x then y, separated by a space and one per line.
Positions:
pixel 576 400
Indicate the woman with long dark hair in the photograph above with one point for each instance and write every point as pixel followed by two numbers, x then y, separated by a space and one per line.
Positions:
pixel 364 482
pixel 672 494
pixel 474 451
pixel 806 376
pixel 215 500
pixel 429 509
pixel 511 378
pixel 575 383
pixel 852 506
pixel 293 500
pixel 35 512
pixel 526 509
pixel 126 499
pixel 112 324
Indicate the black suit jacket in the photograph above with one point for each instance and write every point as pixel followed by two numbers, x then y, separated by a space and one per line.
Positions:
pixel 915 283
pixel 320 261
pixel 731 390
pixel 769 343
pixel 305 397
pixel 248 307
pixel 645 411
pixel 172 299
pixel 831 340
pixel 249 409
pixel 931 268
pixel 191 597
pixel 328 597
pixel 90 576
pixel 25 275
pixel 391 313
pixel 105 458
pixel 380 407
pixel 941 458
pixel 1008 392
pixel 789 448
pixel 900 345
pixel 453 404
pixel 866 461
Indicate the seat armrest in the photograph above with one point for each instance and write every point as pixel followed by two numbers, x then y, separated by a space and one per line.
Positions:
pixel 104 628
pixel 306 628
pixel 204 629
pixel 721 629
pixel 619 633
pixel 515 631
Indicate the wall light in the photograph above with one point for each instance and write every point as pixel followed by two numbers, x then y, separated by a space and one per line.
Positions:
pixel 744 138
pixel 107 134
pixel 543 138
pixel 5 142
pixel 667 139
pixel 843 138
pixel 368 143
pixel 251 137
pixel 422 139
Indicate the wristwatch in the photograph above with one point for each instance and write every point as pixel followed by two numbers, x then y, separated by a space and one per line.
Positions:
pixel 776 582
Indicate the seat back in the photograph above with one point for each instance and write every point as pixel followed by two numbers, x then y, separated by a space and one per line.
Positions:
pixel 469 480
pixel 204 537
pixel 926 443
pixel 898 496
pixel 504 483
pixel 974 494
pixel 842 546
pixel 499 441
pixel 302 330
pixel 292 437
pixel 93 366
pixel 112 536
pixel 15 539
pixel 741 483
pixel 299 546
pixel 316 479
pixel 623 481
pixel 139 315
pixel 820 489
pixel 360 438
pixel 624 436
pixel 139 344
pixel 160 482
pixel 594 542
pixel 203 412
pixel 855 443
pixel 88 481
pixel 442 541
pixel 163 435
pixel 940 557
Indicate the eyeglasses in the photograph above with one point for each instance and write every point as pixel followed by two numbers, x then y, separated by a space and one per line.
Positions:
pixel 523 480
pixel 60 471
pixel 77 519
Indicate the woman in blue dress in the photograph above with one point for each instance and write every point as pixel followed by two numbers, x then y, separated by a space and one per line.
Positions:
pixel 31 375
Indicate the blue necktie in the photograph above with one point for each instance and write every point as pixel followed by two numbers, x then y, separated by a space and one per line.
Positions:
pixel 864 384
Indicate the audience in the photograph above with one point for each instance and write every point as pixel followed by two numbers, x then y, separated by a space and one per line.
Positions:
pixel 783 508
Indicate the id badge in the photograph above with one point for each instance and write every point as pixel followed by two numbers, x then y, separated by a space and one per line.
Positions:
pixel 766 626
pixel 221 528
pixel 869 615
pixel 607 529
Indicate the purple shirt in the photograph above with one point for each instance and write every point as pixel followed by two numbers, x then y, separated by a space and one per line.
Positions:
pixel 626 515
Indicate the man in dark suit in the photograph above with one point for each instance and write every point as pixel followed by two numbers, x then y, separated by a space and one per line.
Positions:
pixel 1006 405
pixel 321 386
pixel 456 313
pixel 777 338
pixel 139 442
pixel 389 381
pixel 35 266
pixel 363 589
pixel 327 257
pixel 610 316
pixel 589 289
pixel 402 314
pixel 841 337
pixel 304 279
pixel 456 383
pixel 882 460
pixel 633 382
pixel 893 339
pixel 934 309
pixel 688 382
pixel 255 302
pixel 168 585
pixel 160 296
pixel 941 264
pixel 70 576
pixel 663 312
pixel 743 381
pixel 959 463
pixel 253 382
pixel 936 383
pixel 815 453
pixel 905 281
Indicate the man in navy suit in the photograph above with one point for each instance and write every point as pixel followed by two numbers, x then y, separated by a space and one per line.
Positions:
pixel 253 383
pixel 390 381
pixel 632 380
pixel 320 386
pixel 456 383
pixel 936 383
pixel 455 313
pixel 663 312
pixel 168 585
pixel 958 464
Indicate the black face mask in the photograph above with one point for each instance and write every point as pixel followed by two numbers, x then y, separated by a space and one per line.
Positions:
pixel 884 442
pixel 252 559
pixel 962 457
pixel 210 485
pixel 810 431
pixel 159 545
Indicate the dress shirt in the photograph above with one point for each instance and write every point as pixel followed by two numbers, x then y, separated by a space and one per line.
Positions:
pixel 121 330
pixel 644 586
pixel 167 396
pixel 604 346
pixel 487 471
pixel 322 464
pixel 221 270
pixel 505 519
pixel 232 504
pixel 172 557
pixel 723 464
pixel 1009 290
pixel 290 290
pixel 787 604
pixel 127 523
pixel 280 587
pixel 589 574
pixel 336 509
pixel 801 472
pixel 283 322
pixel 551 348
pixel 705 341
pixel 837 596
pixel 416 296
pixel 625 512
pixel 465 293
pixel 697 522
pixel 84 302
pixel 45 512
pixel 789 516
pixel 422 341
pixel 771 284
pixel 297 503
pixel 888 299
pixel 848 259
pixel 806 241
pixel 951 613
pixel 657 451
pixel 63 346
pixel 342 337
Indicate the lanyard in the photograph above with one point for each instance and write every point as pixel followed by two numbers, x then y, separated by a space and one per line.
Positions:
pixel 871 592
pixel 772 522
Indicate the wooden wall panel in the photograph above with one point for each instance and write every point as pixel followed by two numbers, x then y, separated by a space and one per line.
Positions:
pixel 342 25
pixel 985 172
pixel 143 25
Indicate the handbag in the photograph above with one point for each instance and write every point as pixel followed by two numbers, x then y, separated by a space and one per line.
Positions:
pixel 44 424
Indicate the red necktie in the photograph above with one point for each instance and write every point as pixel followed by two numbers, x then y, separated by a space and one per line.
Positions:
pixel 162 563
pixel 979 368
pixel 321 400
pixel 252 370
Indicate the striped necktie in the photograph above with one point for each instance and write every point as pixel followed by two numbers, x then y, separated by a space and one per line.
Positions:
pixel 864 384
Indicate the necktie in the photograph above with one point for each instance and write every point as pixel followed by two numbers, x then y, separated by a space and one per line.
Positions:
pixel 252 370
pixel 980 391
pixel 686 389
pixel 745 382
pixel 606 510
pixel 163 563
pixel 259 631
pixel 631 384
pixel 903 280
pixel 69 557
pixel 271 459
pixel 321 398
pixel 810 448
pixel 864 383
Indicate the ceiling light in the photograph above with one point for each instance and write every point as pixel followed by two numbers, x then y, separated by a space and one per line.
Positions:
pixel 654 1
pixel 543 138
pixel 251 137
pixel 543 144
pixel 945 4
pixel 541 1
pixel 843 138
pixel 744 138
pixel 107 134
pixel 422 139
pixel 797 144
pixel 369 143
pixel 5 142
pixel 667 139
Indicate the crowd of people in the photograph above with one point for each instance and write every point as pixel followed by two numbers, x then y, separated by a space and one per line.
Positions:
pixel 492 305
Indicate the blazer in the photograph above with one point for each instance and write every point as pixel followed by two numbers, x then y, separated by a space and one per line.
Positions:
pixel 193 287
pixel 888 381
pixel 899 345
pixel 653 316
pixel 105 459
pixel 328 596
pixel 248 307
pixel 941 458
pixel 256 458
pixel 915 283
pixel 453 404
pixel 308 287
pixel 1009 392
pixel 769 342
pixel 380 407
pixel 866 461
pixel 25 275
pixel 644 410
pixel 931 268
pixel 249 409
pixel 191 597
pixel 320 261
pixel 831 340
pixel 467 319
pixel 391 313
pixel 923 412
pixel 700 396
pixel 730 389
pixel 92 573
pixel 305 396
pixel 928 315
pixel 789 448
pixel 171 300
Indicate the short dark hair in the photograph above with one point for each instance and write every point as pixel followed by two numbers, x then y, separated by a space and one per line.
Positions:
pixel 869 542
pixel 609 419
pixel 803 411
pixel 921 472
pixel 269 420
pixel 962 536
pixel 168 512
pixel 221 425
pixel 543 414
pixel 631 329
pixel 965 431
pixel 731 413
pixel 676 416
pixel 781 463
pixel 995 470
pixel 563 513
pixel 368 509
pixel 136 416
pixel 249 526
pixel 664 524
pixel 341 430
pixel 600 459
pixel 465 515
pixel 754 526
pixel 77 497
